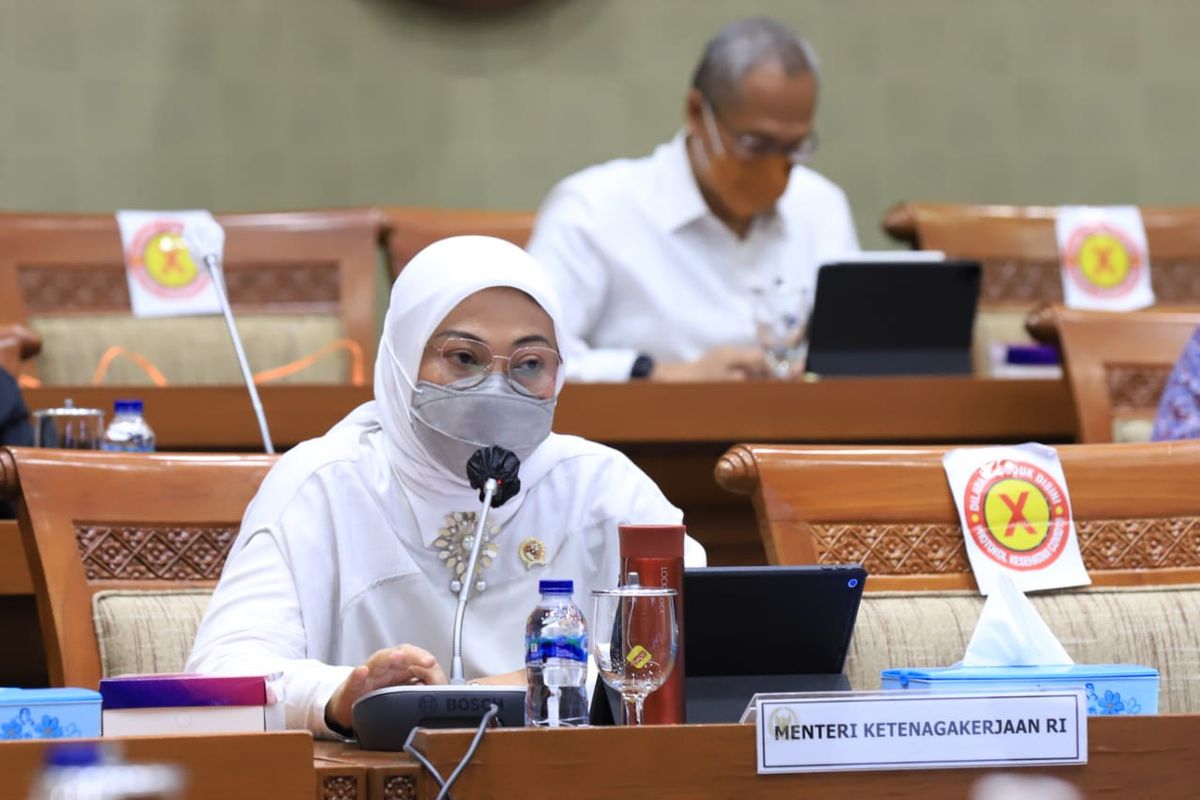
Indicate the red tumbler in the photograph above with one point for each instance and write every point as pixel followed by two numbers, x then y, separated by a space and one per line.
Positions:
pixel 655 553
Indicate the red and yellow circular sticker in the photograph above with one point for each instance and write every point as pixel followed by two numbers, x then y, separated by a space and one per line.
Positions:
pixel 1103 260
pixel 160 261
pixel 1017 514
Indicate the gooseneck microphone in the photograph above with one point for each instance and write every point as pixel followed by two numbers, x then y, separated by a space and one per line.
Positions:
pixel 384 718
pixel 493 471
pixel 205 242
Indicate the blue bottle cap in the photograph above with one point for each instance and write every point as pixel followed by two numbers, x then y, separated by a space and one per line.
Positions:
pixel 556 587
pixel 128 406
pixel 74 754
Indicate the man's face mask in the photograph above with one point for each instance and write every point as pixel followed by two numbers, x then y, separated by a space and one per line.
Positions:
pixel 453 422
pixel 746 186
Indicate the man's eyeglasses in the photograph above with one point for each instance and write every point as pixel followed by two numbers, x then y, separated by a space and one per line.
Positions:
pixel 467 363
pixel 749 146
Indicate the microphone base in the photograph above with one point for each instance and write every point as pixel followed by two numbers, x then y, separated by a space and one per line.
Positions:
pixel 384 718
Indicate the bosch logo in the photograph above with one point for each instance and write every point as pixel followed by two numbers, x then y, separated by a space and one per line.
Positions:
pixel 472 704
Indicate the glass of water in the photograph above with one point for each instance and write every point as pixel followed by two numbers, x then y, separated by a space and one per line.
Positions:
pixel 68 427
pixel 781 322
pixel 634 640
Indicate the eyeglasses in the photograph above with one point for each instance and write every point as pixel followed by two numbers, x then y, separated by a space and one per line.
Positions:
pixel 749 146
pixel 467 363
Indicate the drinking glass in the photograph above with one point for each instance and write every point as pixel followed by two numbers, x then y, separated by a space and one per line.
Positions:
pixel 68 427
pixel 634 638
pixel 781 323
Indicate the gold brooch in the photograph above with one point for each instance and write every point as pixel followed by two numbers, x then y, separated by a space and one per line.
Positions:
pixel 532 552
pixel 454 548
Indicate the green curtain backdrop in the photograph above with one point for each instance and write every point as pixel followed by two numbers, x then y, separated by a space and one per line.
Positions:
pixel 251 104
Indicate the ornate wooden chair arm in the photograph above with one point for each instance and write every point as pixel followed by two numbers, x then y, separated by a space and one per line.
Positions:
pixel 737 471
pixel 10 487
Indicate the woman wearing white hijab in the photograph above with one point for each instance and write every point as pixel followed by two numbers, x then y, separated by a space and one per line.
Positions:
pixel 350 552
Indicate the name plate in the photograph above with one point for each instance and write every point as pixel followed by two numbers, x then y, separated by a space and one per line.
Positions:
pixel 918 730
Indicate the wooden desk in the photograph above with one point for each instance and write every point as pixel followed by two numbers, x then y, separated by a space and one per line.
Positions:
pixel 1155 757
pixel 675 432
pixel 834 410
pixel 230 767
pixel 344 771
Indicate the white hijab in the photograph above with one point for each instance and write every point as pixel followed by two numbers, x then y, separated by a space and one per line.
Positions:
pixel 435 281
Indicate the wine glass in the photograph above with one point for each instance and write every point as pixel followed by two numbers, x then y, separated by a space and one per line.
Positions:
pixel 634 639
pixel 781 324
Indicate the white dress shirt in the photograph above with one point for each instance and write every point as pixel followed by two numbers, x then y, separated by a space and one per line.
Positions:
pixel 344 570
pixel 642 265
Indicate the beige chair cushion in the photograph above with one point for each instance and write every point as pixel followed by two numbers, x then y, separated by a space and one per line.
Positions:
pixel 1155 626
pixel 1127 429
pixel 187 350
pixel 1001 324
pixel 147 631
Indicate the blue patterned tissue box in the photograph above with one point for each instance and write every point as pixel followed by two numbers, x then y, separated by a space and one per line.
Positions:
pixel 1110 688
pixel 49 713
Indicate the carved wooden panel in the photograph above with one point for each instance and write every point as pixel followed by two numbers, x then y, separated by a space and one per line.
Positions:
pixel 1135 386
pixel 88 287
pixel 300 286
pixel 400 787
pixel 893 549
pixel 1013 280
pixel 1140 543
pixel 1019 281
pixel 147 553
pixel 1175 281
pixel 340 787
pixel 914 549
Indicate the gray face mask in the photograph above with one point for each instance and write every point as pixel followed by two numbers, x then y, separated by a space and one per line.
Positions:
pixel 453 423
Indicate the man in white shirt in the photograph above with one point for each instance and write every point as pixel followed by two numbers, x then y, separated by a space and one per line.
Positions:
pixel 656 259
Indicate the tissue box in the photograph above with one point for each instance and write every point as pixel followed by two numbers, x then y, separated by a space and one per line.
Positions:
pixel 1110 688
pixel 49 713
pixel 137 705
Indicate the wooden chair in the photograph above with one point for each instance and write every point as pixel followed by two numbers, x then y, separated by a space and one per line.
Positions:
pixel 115 528
pixel 1019 253
pixel 410 230
pixel 1137 514
pixel 1117 365
pixel 1136 510
pixel 298 280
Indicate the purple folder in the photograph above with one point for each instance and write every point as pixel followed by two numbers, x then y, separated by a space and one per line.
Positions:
pixel 176 691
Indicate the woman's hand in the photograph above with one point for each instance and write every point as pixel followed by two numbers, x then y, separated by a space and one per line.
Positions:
pixel 395 666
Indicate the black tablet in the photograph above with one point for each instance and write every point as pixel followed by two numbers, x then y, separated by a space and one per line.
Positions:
pixel 897 318
pixel 765 629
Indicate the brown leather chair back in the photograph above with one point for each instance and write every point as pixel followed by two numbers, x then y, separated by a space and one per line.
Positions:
pixel 294 262
pixel 411 230
pixel 1117 364
pixel 92 522
pixel 1136 508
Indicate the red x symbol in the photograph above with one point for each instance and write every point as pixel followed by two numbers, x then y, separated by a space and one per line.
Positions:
pixel 171 260
pixel 1103 254
pixel 1018 514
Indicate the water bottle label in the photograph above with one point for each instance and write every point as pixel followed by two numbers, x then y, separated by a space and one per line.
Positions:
pixel 570 648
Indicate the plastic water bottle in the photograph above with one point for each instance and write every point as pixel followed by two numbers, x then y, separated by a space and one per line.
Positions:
pixel 556 648
pixel 91 771
pixel 128 431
